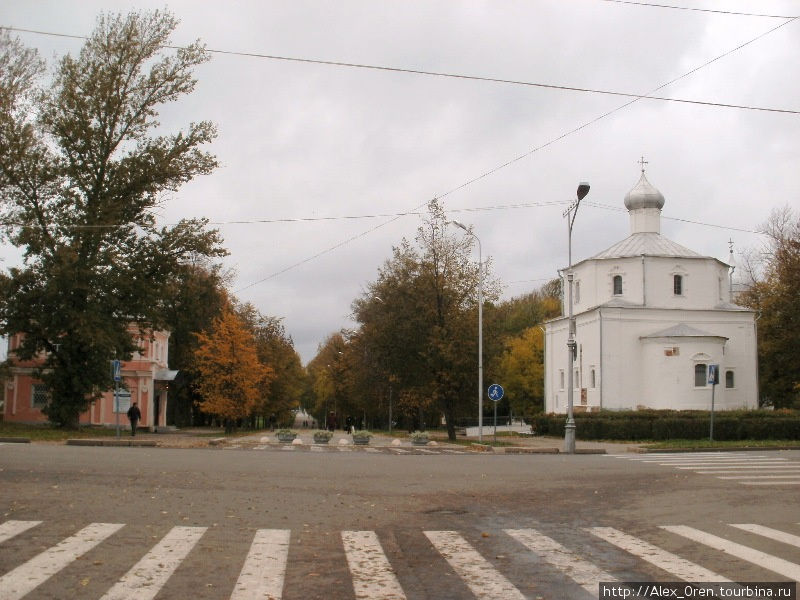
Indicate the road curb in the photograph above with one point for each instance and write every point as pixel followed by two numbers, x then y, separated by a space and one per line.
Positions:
pixel 15 440
pixel 92 442
pixel 727 449
pixel 523 450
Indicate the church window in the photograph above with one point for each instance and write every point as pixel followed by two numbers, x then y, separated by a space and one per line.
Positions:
pixel 594 378
pixel 729 381
pixel 700 375
pixel 561 378
pixel 677 285
pixel 617 285
pixel 576 380
pixel 577 292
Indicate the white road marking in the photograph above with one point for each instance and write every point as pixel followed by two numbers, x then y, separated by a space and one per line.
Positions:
pixel 146 577
pixel 20 581
pixel 747 465
pixel 582 572
pixel 769 482
pixel 485 582
pixel 773 534
pixel 669 562
pixel 762 559
pixel 399 450
pixel 722 470
pixel 265 567
pixel 11 528
pixel 758 476
pixel 373 576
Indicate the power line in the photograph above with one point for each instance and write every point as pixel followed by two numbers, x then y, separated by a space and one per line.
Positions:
pixel 550 86
pixel 635 98
pixel 696 9
pixel 415 213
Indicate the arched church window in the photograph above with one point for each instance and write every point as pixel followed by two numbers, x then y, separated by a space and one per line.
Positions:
pixel 729 381
pixel 617 285
pixel 700 375
pixel 677 285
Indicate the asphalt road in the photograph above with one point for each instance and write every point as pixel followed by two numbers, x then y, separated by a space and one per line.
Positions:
pixel 403 502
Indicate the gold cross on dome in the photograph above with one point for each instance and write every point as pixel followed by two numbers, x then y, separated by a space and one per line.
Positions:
pixel 642 162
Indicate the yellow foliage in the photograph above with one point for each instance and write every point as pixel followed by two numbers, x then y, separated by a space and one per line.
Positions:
pixel 231 379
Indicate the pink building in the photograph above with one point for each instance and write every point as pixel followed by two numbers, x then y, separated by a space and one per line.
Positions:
pixel 146 376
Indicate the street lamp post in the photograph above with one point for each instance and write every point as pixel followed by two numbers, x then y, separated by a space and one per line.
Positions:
pixel 570 214
pixel 480 327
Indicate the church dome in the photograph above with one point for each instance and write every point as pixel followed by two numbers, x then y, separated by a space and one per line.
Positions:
pixel 644 195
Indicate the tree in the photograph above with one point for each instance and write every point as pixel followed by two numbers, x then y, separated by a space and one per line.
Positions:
pixel 230 377
pixel 195 296
pixel 521 369
pixel 81 171
pixel 418 320
pixel 775 294
pixel 329 382
pixel 275 349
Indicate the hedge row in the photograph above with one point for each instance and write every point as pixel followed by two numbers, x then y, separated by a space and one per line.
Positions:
pixel 670 424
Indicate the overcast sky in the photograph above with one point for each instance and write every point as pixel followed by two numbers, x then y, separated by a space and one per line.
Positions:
pixel 303 140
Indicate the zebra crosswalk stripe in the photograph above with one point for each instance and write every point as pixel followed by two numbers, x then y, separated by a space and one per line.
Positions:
pixel 483 580
pixel 762 559
pixel 146 577
pixel 19 582
pixel 671 563
pixel 373 576
pixel 11 528
pixel 265 567
pixel 582 572
pixel 768 532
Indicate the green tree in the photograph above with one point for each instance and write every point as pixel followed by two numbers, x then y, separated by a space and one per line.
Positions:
pixel 230 377
pixel 516 315
pixel 275 350
pixel 419 318
pixel 195 296
pixel 82 170
pixel 329 381
pixel 775 294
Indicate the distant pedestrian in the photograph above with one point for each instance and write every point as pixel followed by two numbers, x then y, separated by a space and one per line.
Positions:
pixel 134 416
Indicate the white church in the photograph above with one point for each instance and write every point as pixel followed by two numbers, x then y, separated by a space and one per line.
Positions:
pixel 651 316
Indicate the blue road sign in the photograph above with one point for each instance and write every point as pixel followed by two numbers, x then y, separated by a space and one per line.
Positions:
pixel 713 374
pixel 496 392
pixel 116 370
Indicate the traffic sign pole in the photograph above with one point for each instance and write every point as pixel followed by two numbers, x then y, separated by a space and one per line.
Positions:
pixel 495 395
pixel 116 374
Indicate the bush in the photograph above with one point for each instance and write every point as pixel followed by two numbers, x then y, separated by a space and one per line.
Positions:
pixel 673 424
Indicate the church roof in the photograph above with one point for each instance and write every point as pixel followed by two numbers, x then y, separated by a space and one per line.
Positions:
pixel 648 243
pixel 681 330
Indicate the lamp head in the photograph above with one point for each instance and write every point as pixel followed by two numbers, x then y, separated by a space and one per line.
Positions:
pixel 459 225
pixel 583 189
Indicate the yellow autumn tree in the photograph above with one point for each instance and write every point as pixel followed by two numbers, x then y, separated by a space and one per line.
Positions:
pixel 521 369
pixel 231 379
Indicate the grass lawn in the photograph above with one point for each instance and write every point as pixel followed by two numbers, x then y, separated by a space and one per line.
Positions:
pixel 45 432
pixel 666 444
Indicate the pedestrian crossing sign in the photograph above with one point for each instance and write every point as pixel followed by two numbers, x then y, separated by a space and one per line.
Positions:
pixel 713 374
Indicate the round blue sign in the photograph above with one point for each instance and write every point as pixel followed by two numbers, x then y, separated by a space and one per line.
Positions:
pixel 496 392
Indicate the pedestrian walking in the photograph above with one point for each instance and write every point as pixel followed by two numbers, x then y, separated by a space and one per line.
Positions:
pixel 134 415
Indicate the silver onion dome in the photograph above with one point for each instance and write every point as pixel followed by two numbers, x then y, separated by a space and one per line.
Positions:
pixel 644 195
